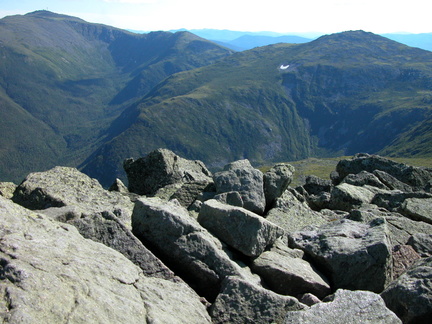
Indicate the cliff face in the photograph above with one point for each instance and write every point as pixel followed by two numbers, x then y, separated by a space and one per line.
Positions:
pixel 229 247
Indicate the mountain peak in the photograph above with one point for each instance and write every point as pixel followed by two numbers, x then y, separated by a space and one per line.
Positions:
pixel 50 15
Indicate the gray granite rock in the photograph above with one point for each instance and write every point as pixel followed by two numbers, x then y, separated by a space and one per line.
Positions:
pixel 422 243
pixel 364 178
pixel 64 186
pixel 276 181
pixel 161 168
pixel 185 246
pixel 249 182
pixel 410 296
pixel 51 274
pixel 241 229
pixel 346 307
pixel 415 177
pixel 400 228
pixel 242 302
pixel 419 209
pixel 352 255
pixel 7 189
pixel 288 274
pixel 292 215
pixel 346 197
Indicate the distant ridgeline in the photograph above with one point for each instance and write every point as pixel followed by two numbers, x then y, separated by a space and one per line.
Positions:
pixel 88 95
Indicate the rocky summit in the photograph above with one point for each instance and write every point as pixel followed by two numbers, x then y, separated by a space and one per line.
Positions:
pixel 179 244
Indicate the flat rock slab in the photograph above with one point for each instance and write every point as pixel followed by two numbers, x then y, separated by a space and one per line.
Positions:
pixel 418 209
pixel 288 274
pixel 410 296
pixel 346 307
pixel 51 274
pixel 346 197
pixel 64 186
pixel 242 302
pixel 185 246
pixel 241 229
pixel 353 255
pixel 293 215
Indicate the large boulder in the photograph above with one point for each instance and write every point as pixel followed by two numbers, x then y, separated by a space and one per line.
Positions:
pixel 185 246
pixel 346 197
pixel 393 200
pixel 241 229
pixel 249 182
pixel 242 302
pixel 419 209
pixel 410 296
pixel 346 307
pixel 364 178
pixel 317 192
pixel 422 243
pixel 65 186
pixel 286 273
pixel 161 168
pixel 400 228
pixel 415 177
pixel 276 181
pixel 353 255
pixel 51 274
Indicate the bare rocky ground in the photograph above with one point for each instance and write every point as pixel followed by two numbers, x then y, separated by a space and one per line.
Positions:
pixel 183 245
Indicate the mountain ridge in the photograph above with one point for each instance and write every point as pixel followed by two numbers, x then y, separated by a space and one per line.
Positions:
pixel 329 86
pixel 75 77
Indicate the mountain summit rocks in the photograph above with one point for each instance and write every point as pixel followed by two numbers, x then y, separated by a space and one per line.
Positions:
pixel 212 260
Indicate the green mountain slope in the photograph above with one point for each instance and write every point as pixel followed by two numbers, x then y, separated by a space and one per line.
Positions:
pixel 339 94
pixel 63 81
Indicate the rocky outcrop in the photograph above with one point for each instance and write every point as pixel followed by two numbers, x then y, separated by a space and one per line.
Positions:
pixel 182 243
pixel 353 255
pixel 346 307
pixel 162 168
pixel 50 274
pixel 64 186
pixel 240 176
pixel 239 228
pixel 410 296
pixel 416 178
pixel 240 247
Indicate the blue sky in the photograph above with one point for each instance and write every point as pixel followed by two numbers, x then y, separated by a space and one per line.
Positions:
pixel 326 16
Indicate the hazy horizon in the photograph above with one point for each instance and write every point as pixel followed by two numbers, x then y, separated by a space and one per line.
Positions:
pixel 279 16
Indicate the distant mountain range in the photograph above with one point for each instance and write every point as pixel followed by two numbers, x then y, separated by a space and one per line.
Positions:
pixel 241 41
pixel 88 95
